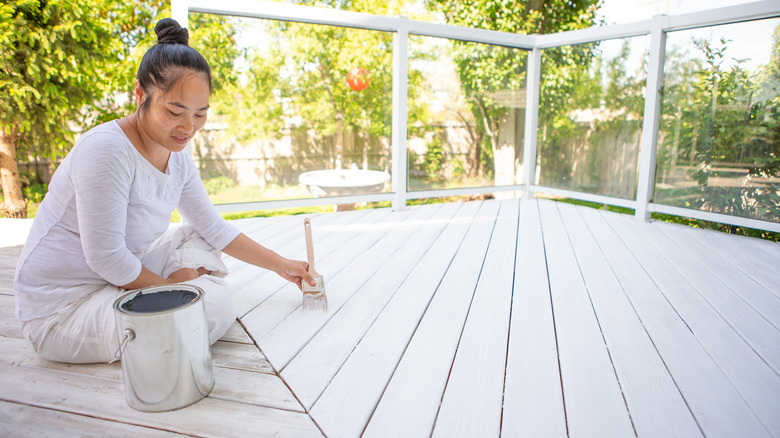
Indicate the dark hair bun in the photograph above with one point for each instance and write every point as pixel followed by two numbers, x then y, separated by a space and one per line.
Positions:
pixel 169 31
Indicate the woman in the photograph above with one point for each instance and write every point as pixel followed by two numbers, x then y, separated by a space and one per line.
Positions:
pixel 104 226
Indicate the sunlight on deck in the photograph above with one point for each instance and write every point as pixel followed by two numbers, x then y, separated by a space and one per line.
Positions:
pixel 516 317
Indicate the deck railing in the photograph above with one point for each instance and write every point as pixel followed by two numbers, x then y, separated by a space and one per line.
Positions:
pixel 402 28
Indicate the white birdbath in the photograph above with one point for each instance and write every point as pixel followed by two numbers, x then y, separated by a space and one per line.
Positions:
pixel 344 182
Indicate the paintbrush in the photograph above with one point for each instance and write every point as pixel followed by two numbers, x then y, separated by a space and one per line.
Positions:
pixel 314 299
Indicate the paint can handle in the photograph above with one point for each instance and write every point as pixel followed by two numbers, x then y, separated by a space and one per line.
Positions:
pixel 129 335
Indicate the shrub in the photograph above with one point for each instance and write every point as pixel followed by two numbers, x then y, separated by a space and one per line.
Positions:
pixel 217 184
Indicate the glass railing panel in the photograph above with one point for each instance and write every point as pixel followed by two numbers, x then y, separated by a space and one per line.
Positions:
pixel 719 139
pixel 466 115
pixel 590 116
pixel 307 112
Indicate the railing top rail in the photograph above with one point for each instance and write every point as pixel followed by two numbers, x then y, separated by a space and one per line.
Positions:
pixel 334 17
pixel 357 20
pixel 726 15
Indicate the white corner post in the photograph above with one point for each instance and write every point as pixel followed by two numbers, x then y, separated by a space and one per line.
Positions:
pixel 180 12
pixel 648 148
pixel 400 96
pixel 532 90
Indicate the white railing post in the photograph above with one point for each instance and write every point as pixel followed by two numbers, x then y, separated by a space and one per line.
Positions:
pixel 532 90
pixel 400 96
pixel 648 148
pixel 180 12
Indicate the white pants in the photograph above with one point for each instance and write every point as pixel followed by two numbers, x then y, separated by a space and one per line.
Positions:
pixel 85 331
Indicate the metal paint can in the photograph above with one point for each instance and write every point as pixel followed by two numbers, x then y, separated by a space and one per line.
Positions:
pixel 165 352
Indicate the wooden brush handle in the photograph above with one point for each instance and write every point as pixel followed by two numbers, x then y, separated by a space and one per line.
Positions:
pixel 309 246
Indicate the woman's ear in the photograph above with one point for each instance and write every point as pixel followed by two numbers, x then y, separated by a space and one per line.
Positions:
pixel 138 93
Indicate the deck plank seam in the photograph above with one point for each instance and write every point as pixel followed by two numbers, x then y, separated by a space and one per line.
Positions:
pixel 419 321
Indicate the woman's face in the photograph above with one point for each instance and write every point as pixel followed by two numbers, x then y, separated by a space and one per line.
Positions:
pixel 173 118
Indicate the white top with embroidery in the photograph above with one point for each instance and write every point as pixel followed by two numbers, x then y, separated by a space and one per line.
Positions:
pixel 106 204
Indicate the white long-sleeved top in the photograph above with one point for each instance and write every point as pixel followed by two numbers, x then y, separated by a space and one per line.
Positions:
pixel 106 204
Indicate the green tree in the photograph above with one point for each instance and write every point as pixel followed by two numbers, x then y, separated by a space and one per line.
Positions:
pixel 718 115
pixel 58 59
pixel 74 66
pixel 297 79
pixel 214 36
pixel 485 70
pixel 434 159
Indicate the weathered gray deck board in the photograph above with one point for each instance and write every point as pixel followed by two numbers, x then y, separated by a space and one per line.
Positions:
pixel 8 258
pixel 514 318
pixel 21 421
pixel 76 400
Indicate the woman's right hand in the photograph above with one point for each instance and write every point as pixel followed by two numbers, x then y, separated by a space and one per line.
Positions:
pixel 182 275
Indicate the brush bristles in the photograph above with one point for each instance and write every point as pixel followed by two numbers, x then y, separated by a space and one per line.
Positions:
pixel 314 299
pixel 315 302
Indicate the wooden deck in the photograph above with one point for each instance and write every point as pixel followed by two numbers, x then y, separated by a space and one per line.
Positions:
pixel 512 318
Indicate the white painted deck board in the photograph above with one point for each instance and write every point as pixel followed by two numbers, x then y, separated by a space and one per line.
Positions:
pixel 461 320
pixel 654 402
pixel 366 257
pixel 472 401
pixel 733 249
pixel 754 379
pixel 763 253
pixel 334 246
pixel 761 299
pixel 592 395
pixel 332 345
pixel 718 407
pixel 257 285
pixel 348 402
pixel 746 321
pixel 533 397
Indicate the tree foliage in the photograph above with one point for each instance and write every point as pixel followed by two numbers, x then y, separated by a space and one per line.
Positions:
pixel 296 78
pixel 720 118
pixel 58 60
pixel 73 67
pixel 486 70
